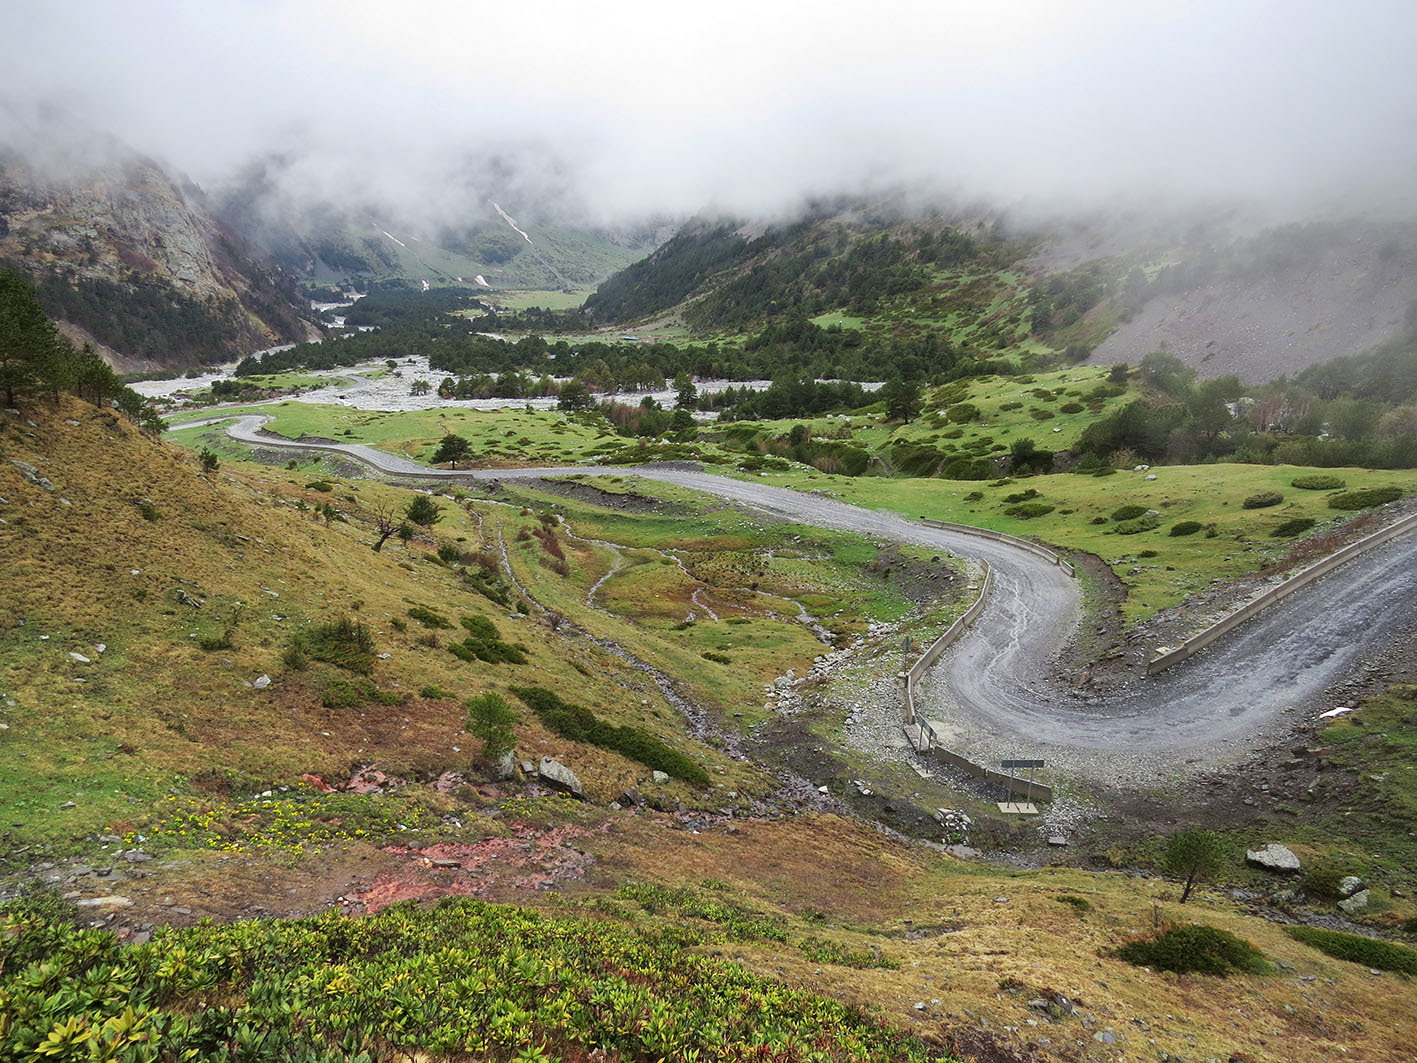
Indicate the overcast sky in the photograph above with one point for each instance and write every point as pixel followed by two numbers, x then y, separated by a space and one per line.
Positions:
pixel 629 107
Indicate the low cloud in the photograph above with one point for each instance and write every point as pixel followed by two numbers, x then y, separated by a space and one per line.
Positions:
pixel 621 110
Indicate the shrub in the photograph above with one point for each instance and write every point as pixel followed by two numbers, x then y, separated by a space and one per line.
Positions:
pixel 1129 512
pixel 1140 524
pixel 449 553
pixel 491 719
pixel 319 485
pixel 342 693
pixel 428 618
pixel 1029 510
pixel 1186 527
pixel 1362 499
pixel 1382 955
pixel 1022 496
pixel 1198 949
pixel 1071 407
pixel 717 658
pixel 1078 904
pixel 1290 528
pixel 1098 520
pixel 344 642
pixel 484 643
pixel 581 725
pixel 974 496
pixel 1318 482
pixel 1148 553
pixel 819 950
pixel 1042 415
pixel 1263 500
pixel 962 412
pixel 435 693
pixel 1006 406
pixel 148 511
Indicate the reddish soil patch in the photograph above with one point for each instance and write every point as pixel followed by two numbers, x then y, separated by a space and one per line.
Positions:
pixel 525 860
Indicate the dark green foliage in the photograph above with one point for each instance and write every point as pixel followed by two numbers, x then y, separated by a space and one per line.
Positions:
pixel 1071 407
pixel 1368 496
pixel 147 510
pixel 1138 524
pixel 581 725
pixel 1128 512
pixel 423 511
pixel 742 924
pixel 1290 528
pixel 1081 905
pixel 819 950
pixel 1029 510
pixel 320 485
pixel 343 642
pixel 449 553
pixel 437 982
pixel 1186 527
pixel 341 692
pixel 1382 955
pixel 428 618
pixel 208 459
pixel 484 643
pixel 1318 482
pixel 1022 496
pixel 435 693
pixel 453 448
pixel 1195 949
pixel 962 413
pixel 717 658
pixel 1193 855
pixel 1263 500
pixel 491 719
pixel 669 275
pixel 974 496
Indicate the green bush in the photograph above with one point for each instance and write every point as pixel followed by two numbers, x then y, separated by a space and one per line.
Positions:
pixel 1382 955
pixel 1318 482
pixel 1081 905
pixel 1140 524
pixel 484 643
pixel 428 618
pixel 1071 407
pixel 491 719
pixel 1262 500
pixel 1128 512
pixel 1041 415
pixel 1186 527
pixel 1022 496
pixel 352 693
pixel 344 642
pixel 581 725
pixel 717 658
pixel 1098 520
pixel 962 412
pixel 1029 510
pixel 1195 949
pixel 819 950
pixel 1362 499
pixel 319 485
pixel 1290 528
pixel 974 496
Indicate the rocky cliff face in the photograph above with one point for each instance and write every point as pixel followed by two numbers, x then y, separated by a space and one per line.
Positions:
pixel 125 255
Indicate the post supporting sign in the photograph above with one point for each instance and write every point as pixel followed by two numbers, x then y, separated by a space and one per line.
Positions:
pixel 1031 765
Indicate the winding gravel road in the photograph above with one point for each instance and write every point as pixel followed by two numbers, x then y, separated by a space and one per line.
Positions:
pixel 992 690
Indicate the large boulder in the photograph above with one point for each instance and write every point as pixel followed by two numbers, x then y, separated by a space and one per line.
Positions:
pixel 1274 857
pixel 1356 903
pixel 556 775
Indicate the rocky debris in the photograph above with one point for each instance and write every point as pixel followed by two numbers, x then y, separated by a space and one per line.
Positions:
pixel 1349 885
pixel 181 597
pixel 507 765
pixel 559 777
pixel 1356 903
pixel 31 474
pixel 261 682
pixel 1273 857
pixel 111 901
pixel 79 658
pixel 659 777
pixel 956 824
pixel 370 780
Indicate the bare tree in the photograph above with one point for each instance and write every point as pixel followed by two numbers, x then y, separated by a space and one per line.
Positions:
pixel 387 521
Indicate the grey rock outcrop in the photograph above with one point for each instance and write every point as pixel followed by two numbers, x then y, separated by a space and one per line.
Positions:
pixel 1274 857
pixel 558 776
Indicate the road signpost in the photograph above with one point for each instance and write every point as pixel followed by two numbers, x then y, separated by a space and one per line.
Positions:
pixel 1026 807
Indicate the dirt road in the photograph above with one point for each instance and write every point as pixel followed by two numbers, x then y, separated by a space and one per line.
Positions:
pixel 993 691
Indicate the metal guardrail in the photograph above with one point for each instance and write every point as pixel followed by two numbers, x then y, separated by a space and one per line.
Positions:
pixel 1001 537
pixel 924 737
pixel 1201 640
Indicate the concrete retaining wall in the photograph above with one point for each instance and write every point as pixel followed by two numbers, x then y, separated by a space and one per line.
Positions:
pixel 1200 641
